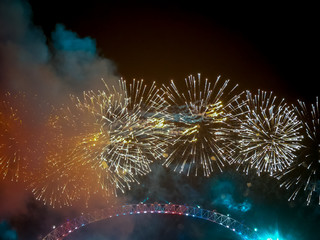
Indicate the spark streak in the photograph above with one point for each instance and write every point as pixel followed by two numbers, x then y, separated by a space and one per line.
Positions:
pixel 304 174
pixel 202 116
pixel 269 134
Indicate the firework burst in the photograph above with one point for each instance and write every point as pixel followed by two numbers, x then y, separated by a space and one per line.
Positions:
pixel 201 115
pixel 64 182
pixel 268 134
pixel 67 175
pixel 101 143
pixel 133 118
pixel 304 173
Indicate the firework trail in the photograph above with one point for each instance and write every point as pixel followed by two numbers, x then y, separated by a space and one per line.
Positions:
pixel 304 173
pixel 202 117
pixel 268 134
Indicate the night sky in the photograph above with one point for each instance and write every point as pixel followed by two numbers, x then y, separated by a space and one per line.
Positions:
pixel 267 46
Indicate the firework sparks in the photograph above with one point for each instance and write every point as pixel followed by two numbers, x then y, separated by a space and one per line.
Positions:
pixel 269 134
pixel 102 142
pixel 133 119
pixel 16 141
pixel 65 182
pixel 202 125
pixel 304 173
pixel 68 175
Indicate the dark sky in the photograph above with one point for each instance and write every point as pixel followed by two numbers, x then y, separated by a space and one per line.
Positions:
pixel 268 46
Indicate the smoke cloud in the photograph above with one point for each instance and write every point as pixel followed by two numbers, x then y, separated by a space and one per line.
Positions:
pixel 224 192
pixel 50 68
pixel 6 233
pixel 46 70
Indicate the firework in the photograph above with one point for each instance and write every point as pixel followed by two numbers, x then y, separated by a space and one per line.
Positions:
pixel 68 175
pixel 100 143
pixel 268 134
pixel 16 137
pixel 201 115
pixel 133 118
pixel 304 173
pixel 64 182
